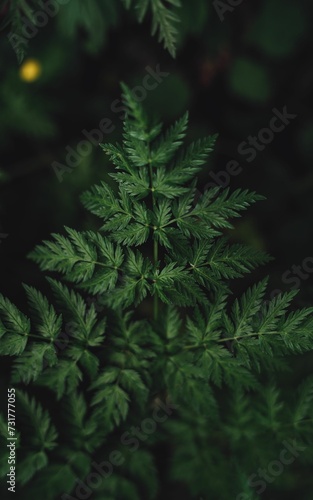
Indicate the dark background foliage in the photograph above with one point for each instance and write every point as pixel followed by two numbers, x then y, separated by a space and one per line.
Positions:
pixel 230 74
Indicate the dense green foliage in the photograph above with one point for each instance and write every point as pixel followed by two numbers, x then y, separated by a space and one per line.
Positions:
pixel 107 359
pixel 94 16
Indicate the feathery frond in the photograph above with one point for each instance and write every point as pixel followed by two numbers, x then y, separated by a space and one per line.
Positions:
pixel 145 345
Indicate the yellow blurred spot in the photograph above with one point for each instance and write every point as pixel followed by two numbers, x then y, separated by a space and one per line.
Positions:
pixel 30 70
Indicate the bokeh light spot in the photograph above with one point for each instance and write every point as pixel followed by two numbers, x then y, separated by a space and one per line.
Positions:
pixel 30 70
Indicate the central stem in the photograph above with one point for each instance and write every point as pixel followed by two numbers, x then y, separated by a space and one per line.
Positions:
pixel 155 246
pixel 156 302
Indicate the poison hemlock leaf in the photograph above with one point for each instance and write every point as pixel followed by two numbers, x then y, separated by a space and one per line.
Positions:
pixel 164 19
pixel 141 334
pixel 95 17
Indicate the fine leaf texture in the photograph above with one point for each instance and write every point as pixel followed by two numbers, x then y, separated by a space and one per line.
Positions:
pixel 141 348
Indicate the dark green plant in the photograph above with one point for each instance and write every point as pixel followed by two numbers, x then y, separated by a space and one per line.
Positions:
pixel 162 331
pixel 94 17
pixel 164 19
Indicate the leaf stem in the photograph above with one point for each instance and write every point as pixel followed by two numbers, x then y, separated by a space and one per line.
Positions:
pixel 156 301
pixel 155 246
pixel 229 339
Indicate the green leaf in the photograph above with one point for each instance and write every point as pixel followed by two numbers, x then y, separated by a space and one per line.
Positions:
pixel 100 200
pixel 186 383
pixel 135 111
pixel 271 313
pixel 164 21
pixel 13 344
pixel 216 207
pixel 189 162
pixel 174 284
pixel 61 379
pixel 73 256
pixel 304 404
pixel 48 323
pixel 171 322
pixel 13 321
pixel 249 305
pixel 75 310
pixel 270 408
pixel 41 434
pixel 116 403
pixel 29 365
pixel 164 150
pixel 30 465
pixel 52 482
pixel 14 328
